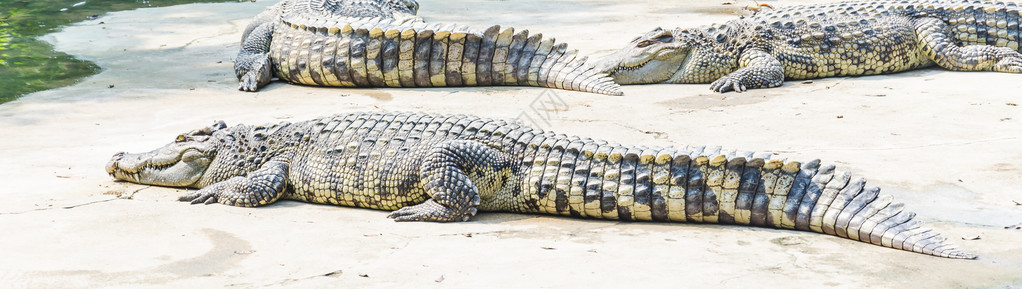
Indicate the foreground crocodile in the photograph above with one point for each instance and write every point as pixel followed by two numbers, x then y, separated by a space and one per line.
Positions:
pixel 446 167
pixel 380 43
pixel 824 40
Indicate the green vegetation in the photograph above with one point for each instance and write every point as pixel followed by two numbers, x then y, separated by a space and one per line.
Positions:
pixel 27 64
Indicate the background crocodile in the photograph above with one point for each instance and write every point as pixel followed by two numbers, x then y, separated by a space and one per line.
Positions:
pixel 446 167
pixel 814 41
pixel 380 43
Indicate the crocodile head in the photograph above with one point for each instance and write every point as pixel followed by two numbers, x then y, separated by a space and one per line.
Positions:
pixel 181 163
pixel 663 56
pixel 651 58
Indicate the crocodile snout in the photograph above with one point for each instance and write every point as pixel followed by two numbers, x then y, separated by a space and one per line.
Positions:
pixel 111 166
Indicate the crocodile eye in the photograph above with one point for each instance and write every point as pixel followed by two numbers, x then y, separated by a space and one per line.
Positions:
pixel 664 37
pixel 200 132
pixel 180 138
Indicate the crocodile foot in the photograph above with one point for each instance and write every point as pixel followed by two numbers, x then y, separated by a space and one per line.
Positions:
pixel 748 78
pixel 1011 61
pixel 727 83
pixel 431 211
pixel 258 76
pixel 204 196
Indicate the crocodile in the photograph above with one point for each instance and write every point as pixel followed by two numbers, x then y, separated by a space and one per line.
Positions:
pixel 443 168
pixel 381 43
pixel 826 40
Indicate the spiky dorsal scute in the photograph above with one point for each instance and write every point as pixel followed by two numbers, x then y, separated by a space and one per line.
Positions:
pixel 351 8
pixel 242 149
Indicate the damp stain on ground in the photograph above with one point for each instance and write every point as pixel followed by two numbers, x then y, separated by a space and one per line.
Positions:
pixel 28 64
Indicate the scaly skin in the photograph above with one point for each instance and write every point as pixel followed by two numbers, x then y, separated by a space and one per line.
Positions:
pixel 825 40
pixel 446 167
pixel 314 44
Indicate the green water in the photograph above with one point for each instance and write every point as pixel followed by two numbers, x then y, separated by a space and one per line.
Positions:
pixel 27 64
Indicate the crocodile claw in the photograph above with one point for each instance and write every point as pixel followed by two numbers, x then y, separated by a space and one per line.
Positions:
pixel 249 82
pixel 258 76
pixel 202 196
pixel 430 211
pixel 726 83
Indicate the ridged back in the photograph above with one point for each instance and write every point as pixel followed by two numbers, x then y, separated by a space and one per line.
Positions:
pixel 349 8
pixel 399 129
pixel 971 22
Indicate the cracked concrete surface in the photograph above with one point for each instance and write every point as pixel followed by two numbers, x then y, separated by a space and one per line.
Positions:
pixel 944 143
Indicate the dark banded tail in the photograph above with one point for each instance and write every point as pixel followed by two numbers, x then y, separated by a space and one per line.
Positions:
pixel 394 54
pixel 586 178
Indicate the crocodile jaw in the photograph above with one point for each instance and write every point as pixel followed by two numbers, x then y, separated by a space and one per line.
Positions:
pixel 657 66
pixel 175 165
pixel 652 58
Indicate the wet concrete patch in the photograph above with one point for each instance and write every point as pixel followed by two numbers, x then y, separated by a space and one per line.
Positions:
pixel 228 250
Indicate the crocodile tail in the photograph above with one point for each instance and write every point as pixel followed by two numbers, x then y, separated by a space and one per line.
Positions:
pixel 518 59
pixel 394 53
pixel 968 23
pixel 705 185
pixel 811 197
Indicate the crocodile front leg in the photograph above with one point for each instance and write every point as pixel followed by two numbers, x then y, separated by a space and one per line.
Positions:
pixel 260 187
pixel 253 66
pixel 935 40
pixel 758 70
pixel 450 173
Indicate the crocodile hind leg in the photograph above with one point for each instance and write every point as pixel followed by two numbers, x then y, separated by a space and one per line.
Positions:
pixel 936 41
pixel 260 187
pixel 455 174
pixel 758 70
pixel 253 63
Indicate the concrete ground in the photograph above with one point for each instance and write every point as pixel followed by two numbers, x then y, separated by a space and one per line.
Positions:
pixel 947 144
